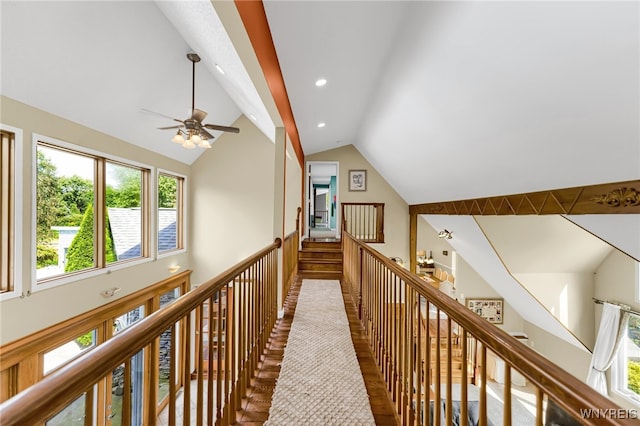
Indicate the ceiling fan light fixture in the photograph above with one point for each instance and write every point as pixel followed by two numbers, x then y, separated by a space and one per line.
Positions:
pixel 204 144
pixel 178 138
pixel 188 144
pixel 192 131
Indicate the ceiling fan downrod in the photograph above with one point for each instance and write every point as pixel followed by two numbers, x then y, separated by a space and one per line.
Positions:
pixel 194 58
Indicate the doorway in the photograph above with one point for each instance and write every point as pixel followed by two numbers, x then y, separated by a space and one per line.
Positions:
pixel 322 200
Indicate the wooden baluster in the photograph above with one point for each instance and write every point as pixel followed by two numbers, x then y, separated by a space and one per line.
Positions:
pixel 449 403
pixel 126 396
pixel 465 377
pixel 539 403
pixel 483 386
pixel 199 367
pixel 507 395
pixel 172 376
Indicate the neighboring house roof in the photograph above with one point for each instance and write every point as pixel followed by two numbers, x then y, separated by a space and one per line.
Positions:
pixel 126 230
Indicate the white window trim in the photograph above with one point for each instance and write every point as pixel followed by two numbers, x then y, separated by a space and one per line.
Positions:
pixel 618 371
pixel 18 212
pixel 185 192
pixel 79 275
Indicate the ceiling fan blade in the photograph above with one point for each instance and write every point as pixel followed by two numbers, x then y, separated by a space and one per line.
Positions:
pixel 160 114
pixel 222 128
pixel 170 127
pixel 208 135
pixel 198 114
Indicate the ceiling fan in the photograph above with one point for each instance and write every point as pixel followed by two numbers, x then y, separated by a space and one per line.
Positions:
pixel 192 131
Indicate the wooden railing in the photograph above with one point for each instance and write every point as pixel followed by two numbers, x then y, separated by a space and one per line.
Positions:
pixel 245 294
pixel 415 331
pixel 24 362
pixel 290 248
pixel 365 221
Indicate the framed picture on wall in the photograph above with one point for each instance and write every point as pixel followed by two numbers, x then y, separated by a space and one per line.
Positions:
pixel 490 309
pixel 357 180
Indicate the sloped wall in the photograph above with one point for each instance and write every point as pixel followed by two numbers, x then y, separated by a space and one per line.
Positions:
pixel 396 210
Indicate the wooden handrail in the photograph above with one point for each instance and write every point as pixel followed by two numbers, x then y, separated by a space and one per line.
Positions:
pixel 566 390
pixel 61 387
pixel 13 352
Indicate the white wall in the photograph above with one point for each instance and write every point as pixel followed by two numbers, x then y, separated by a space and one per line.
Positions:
pixel 22 316
pixel 232 201
pixel 396 210
pixel 470 285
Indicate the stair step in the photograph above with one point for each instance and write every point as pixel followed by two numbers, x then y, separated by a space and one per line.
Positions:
pixel 320 265
pixel 322 244
pixel 319 254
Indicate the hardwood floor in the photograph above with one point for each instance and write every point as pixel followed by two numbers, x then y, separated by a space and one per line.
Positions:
pixel 255 408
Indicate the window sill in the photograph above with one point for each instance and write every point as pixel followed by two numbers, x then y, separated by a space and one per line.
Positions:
pixel 635 401
pixel 67 279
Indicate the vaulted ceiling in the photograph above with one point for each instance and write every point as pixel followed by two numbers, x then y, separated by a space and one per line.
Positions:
pixel 474 98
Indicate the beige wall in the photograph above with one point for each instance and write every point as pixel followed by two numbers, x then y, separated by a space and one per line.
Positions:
pixel 232 201
pixel 293 195
pixel 567 356
pixel 22 316
pixel 396 210
pixel 568 297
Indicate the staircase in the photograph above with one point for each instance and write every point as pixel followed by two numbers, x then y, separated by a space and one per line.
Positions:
pixel 321 258
pixel 457 363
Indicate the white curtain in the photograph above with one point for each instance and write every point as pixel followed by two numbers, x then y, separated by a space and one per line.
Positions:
pixel 613 324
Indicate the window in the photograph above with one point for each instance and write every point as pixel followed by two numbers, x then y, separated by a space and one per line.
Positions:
pixel 7 218
pixel 10 205
pixel 170 212
pixel 91 211
pixel 626 368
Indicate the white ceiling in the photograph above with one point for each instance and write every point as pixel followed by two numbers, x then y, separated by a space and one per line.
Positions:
pixel 100 63
pixel 474 98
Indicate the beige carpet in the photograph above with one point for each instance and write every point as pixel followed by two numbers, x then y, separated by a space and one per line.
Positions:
pixel 320 381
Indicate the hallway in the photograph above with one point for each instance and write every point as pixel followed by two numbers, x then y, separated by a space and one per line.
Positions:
pixel 255 408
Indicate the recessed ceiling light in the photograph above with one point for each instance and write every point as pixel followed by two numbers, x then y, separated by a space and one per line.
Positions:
pixel 321 82
pixel 220 70
pixel 321 124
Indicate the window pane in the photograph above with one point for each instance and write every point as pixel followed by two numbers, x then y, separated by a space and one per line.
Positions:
pixel 73 414
pixel 124 213
pixel 633 355
pixel 169 212
pixel 64 212
pixel 69 351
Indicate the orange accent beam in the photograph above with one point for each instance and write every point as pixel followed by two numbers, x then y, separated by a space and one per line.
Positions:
pixel 255 23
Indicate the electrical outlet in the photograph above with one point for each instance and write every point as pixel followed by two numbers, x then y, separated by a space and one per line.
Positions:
pixel 445 252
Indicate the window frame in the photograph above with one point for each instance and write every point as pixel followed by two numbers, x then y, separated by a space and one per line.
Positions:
pixel 99 210
pixel 16 207
pixel 619 370
pixel 181 215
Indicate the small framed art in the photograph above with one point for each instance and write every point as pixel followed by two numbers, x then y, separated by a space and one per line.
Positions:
pixel 490 309
pixel 357 180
